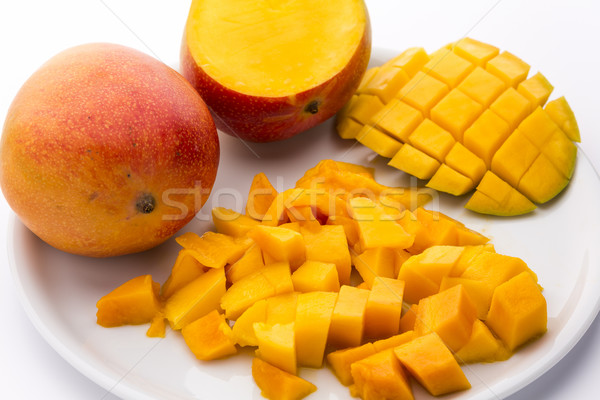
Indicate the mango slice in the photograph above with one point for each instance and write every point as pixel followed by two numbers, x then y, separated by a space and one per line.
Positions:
pixel 380 376
pixel 209 337
pixel 134 302
pixel 276 345
pixel 313 318
pixel 518 311
pixel 347 321
pixel 431 363
pixel 462 112
pixel 276 384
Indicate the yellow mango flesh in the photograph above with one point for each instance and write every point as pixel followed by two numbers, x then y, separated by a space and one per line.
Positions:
pixel 209 337
pixel 430 362
pixel 482 346
pixel 380 377
pixel 196 299
pixel 243 329
pixel 246 31
pixel 373 263
pixel 232 223
pixel 186 269
pixel 518 311
pixel 269 281
pixel 134 302
pixel 251 261
pixel 260 197
pixel 471 96
pixel 341 360
pixel 281 244
pixel 347 321
pixel 214 250
pixel 450 314
pixel 276 384
pixel 276 345
pixel 329 245
pixel 313 318
pixel 384 307
pixel 313 276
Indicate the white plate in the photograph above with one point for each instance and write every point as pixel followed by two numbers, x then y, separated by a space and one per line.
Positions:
pixel 59 291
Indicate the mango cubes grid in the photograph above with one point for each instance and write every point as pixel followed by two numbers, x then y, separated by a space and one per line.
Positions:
pixel 479 101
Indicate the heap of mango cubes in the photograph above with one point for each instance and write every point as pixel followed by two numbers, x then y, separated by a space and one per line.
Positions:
pixel 465 117
pixel 340 269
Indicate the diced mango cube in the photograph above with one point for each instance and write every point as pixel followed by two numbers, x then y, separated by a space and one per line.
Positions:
pixel 423 92
pixel 276 213
pixel 562 152
pixel 281 309
pixel 276 345
pixel 381 376
pixel 486 135
pixel 209 337
pixel 536 89
pixel 410 60
pixel 397 119
pixel 347 322
pixel 375 228
pixel 432 139
pixel 349 225
pixel 196 299
pixel 280 243
pixel 316 276
pixel 386 83
pixel 369 74
pixel 508 67
pixel 268 281
pixel 261 195
pixel 482 86
pixel 481 347
pixel 477 52
pixel 379 142
pixel 511 107
pixel 456 112
pixel 365 107
pixel 384 307
pixel 560 111
pixel 478 291
pixel 132 303
pixel 464 161
pixel 276 384
pixel 542 181
pixel 232 223
pixel 251 261
pixel 514 157
pixel 186 269
pixel 431 363
pixel 518 311
pixel 448 67
pixel 450 314
pixel 342 359
pixel 414 162
pixel 448 180
pixel 329 245
pixel 374 262
pixel 243 329
pixel 313 318
pixel 214 250
pixel 347 128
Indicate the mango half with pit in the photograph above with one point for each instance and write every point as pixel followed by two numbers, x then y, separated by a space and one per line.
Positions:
pixel 467 117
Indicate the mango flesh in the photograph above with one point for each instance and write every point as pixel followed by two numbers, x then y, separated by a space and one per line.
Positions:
pixel 372 340
pixel 276 384
pixel 104 133
pixel 281 84
pixel 462 113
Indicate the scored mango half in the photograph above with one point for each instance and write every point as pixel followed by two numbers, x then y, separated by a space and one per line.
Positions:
pixel 467 117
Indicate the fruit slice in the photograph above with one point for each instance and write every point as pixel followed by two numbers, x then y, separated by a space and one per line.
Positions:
pixel 276 384
pixel 468 110
pixel 257 66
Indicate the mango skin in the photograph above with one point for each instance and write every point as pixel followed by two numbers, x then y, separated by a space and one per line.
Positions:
pixel 93 138
pixel 267 119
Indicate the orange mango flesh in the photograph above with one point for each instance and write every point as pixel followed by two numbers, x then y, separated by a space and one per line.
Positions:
pixel 247 36
pixel 462 112
pixel 286 288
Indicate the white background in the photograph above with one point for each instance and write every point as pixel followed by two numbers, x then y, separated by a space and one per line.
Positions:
pixel 559 38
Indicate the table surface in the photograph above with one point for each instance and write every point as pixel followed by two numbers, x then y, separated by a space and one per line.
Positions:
pixel 559 38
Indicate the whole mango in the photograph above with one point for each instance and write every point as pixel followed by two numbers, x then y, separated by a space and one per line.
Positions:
pixel 107 151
